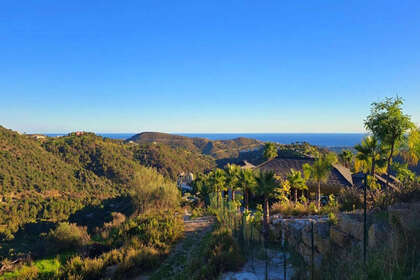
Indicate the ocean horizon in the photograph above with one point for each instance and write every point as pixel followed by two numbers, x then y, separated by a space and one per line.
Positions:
pixel 318 139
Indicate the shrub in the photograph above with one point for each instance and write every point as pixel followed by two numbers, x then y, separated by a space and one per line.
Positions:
pixel 68 236
pixel 133 260
pixel 350 199
pixel 332 218
pixel 28 272
pixel 78 268
pixel 153 230
pixel 152 191
pixel 287 208
pixel 219 252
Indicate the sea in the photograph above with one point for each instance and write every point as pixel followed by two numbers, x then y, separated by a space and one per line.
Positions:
pixel 318 139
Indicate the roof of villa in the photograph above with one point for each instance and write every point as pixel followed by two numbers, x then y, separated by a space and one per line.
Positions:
pixel 340 175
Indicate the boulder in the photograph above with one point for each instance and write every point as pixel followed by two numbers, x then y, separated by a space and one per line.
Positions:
pixel 340 238
pixel 351 226
pixel 401 217
pixel 378 235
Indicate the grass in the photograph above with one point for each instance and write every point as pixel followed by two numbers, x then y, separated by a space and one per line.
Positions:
pixel 43 269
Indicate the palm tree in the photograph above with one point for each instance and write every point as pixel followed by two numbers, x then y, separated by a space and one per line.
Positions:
pixel 346 156
pixel 232 178
pixel 370 152
pixel 297 182
pixel 410 150
pixel 217 179
pixel 319 171
pixel 200 185
pixel 270 151
pixel 266 187
pixel 247 183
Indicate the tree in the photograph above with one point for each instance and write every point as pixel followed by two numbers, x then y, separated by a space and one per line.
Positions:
pixel 410 149
pixel 217 180
pixel 266 187
pixel 201 186
pixel 232 179
pixel 320 171
pixel 346 156
pixel 388 123
pixel 370 152
pixel 297 182
pixel 247 183
pixel 270 151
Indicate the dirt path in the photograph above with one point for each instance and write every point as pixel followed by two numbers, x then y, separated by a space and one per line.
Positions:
pixel 194 231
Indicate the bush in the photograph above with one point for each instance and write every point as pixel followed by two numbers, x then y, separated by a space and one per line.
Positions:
pixel 152 191
pixel 219 252
pixel 152 230
pixel 69 236
pixel 134 260
pixel 293 209
pixel 78 268
pixel 350 199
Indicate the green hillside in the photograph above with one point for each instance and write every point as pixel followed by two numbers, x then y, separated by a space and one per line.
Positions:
pixel 47 180
pixel 39 186
pixel 172 161
pixel 218 149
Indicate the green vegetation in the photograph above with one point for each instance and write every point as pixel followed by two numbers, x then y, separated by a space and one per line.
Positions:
pixel 171 161
pixel 319 171
pixel 218 149
pixel 270 151
pixel 389 125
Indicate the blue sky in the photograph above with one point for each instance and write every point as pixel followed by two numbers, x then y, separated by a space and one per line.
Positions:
pixel 205 66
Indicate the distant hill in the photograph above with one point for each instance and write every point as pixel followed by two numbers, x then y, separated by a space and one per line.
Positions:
pixel 218 149
pixel 171 161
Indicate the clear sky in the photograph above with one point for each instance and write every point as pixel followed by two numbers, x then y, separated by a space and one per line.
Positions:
pixel 205 66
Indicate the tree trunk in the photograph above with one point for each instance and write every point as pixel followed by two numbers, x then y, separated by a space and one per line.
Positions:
pixel 296 195
pixel 372 171
pixel 217 198
pixel 319 194
pixel 388 164
pixel 266 213
pixel 246 198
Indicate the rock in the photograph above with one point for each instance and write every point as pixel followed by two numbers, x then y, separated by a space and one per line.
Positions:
pixel 351 226
pixel 400 217
pixel 338 237
pixel 322 236
pixel 307 235
pixel 378 235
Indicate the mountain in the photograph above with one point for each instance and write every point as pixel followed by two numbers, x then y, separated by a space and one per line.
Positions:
pixel 218 149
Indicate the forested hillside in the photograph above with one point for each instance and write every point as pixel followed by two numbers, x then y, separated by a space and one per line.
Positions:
pixel 216 148
pixel 37 185
pixel 50 179
pixel 172 161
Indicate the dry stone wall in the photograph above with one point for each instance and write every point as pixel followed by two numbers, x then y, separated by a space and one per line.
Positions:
pixel 345 237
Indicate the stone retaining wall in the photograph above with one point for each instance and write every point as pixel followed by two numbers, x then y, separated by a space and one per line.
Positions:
pixel 347 235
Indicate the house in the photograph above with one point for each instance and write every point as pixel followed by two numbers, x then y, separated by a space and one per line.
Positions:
pixel 184 181
pixel 339 178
